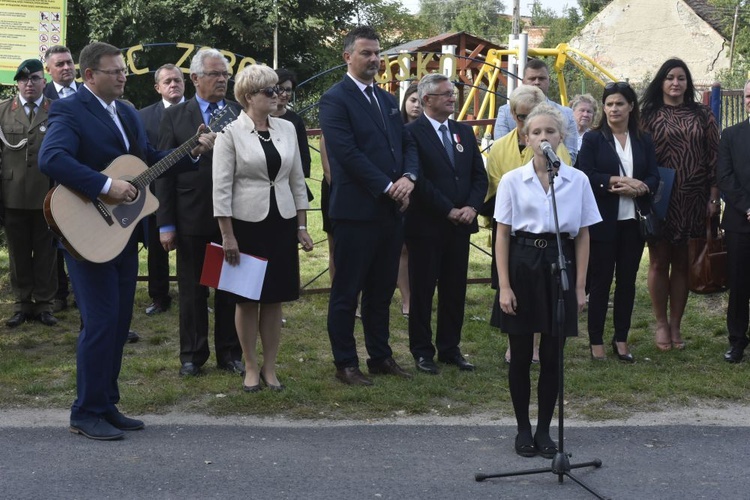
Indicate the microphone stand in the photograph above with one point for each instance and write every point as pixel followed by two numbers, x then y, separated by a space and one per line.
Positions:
pixel 561 465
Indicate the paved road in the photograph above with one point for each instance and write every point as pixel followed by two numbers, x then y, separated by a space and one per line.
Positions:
pixel 198 458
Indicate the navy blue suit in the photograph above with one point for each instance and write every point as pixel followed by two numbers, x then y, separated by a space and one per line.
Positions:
pixel 82 139
pixel 366 152
pixel 439 249
pixel 616 246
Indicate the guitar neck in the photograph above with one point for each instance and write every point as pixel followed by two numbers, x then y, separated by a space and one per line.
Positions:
pixel 147 177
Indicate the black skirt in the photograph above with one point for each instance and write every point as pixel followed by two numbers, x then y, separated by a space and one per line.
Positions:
pixel 536 290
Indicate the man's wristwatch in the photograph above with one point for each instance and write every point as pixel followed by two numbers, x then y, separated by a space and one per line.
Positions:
pixel 410 176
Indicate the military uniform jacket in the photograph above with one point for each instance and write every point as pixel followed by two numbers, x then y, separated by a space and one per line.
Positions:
pixel 23 185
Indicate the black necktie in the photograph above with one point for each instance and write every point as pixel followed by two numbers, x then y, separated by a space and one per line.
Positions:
pixel 31 106
pixel 447 144
pixel 374 104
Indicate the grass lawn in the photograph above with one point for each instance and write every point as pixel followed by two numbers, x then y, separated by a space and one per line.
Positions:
pixel 37 363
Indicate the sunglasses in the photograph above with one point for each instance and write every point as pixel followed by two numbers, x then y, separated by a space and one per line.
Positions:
pixel 617 85
pixel 268 91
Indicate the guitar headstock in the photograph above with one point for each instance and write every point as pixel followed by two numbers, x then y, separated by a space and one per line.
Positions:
pixel 222 119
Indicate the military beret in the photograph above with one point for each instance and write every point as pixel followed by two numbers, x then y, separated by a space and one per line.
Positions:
pixel 28 67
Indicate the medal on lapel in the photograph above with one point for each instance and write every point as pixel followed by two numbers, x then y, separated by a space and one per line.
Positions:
pixel 457 140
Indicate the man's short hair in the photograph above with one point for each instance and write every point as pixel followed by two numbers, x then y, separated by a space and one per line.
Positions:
pixel 535 64
pixel 56 49
pixel 93 53
pixel 165 67
pixel 366 32
pixel 198 62
pixel 429 83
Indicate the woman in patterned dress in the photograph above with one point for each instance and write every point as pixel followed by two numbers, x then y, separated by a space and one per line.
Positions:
pixel 686 137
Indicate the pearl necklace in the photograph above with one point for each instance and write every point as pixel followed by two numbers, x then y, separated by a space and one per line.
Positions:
pixel 261 137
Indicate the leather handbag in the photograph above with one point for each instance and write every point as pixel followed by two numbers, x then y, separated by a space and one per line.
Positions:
pixel 707 258
pixel 649 224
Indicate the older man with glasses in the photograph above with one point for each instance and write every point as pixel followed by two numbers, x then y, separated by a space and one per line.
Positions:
pixel 31 252
pixel 186 221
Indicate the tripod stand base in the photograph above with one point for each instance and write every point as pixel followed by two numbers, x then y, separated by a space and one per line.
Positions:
pixel 560 466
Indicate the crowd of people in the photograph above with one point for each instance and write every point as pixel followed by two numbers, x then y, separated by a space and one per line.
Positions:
pixel 402 192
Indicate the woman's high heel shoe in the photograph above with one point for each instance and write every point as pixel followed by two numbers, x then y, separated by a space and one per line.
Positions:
pixel 628 358
pixel 603 357
pixel 276 388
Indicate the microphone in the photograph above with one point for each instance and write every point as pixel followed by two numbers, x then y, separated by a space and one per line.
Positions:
pixel 550 154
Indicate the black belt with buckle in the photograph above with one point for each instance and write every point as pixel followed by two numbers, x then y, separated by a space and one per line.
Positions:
pixel 538 240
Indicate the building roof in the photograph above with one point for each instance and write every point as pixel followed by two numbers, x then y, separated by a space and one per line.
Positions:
pixel 710 14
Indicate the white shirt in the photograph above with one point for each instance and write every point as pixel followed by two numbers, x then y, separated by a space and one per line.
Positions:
pixel 523 204
pixel 626 208
pixel 168 104
pixel 436 125
pixel 116 119
pixel 59 88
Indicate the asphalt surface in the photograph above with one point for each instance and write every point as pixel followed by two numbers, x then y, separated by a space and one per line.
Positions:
pixel 184 457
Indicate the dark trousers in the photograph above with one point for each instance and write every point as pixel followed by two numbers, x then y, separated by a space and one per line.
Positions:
pixel 105 294
pixel 32 259
pixel 738 270
pixel 191 251
pixel 440 261
pixel 617 259
pixel 158 265
pixel 366 255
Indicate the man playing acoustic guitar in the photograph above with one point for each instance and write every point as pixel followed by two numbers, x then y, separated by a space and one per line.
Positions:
pixel 85 133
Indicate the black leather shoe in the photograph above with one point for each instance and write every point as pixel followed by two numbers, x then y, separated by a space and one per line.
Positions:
pixel 133 337
pixel 426 365
pixel 459 361
pixel 525 446
pixel 95 428
pixel 628 358
pixel 157 307
pixel 235 366
pixel 46 318
pixel 122 422
pixel 387 367
pixel 545 446
pixel 16 320
pixel 352 375
pixel 189 370
pixel 734 355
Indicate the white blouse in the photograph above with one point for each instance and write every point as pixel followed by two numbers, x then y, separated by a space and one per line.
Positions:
pixel 523 204
pixel 626 209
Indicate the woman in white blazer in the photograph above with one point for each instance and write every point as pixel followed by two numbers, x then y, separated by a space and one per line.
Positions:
pixel 260 201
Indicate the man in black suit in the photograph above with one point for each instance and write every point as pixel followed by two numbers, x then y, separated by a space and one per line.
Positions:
pixel 170 85
pixel 734 183
pixel 373 170
pixel 441 217
pixel 186 221
pixel 62 71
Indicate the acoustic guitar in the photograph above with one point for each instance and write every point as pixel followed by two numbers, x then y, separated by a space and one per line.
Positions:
pixel 98 231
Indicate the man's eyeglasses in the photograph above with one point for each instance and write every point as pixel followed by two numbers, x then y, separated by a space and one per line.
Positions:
pixel 268 91
pixel 34 79
pixel 452 93
pixel 113 72
pixel 617 85
pixel 216 74
pixel 285 90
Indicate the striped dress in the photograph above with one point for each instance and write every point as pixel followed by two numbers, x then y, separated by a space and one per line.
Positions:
pixel 687 141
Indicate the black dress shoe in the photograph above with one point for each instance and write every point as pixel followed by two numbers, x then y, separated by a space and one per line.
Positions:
pixel 459 361
pixel 387 367
pixel 133 337
pixel 277 388
pixel 525 446
pixel 235 366
pixel 734 355
pixel 95 428
pixel 545 446
pixel 252 388
pixel 352 375
pixel 157 307
pixel 426 365
pixel 122 422
pixel 16 320
pixel 46 318
pixel 189 370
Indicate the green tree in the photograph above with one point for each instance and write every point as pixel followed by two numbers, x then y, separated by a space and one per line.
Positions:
pixel 724 12
pixel 482 19
pixel 590 8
